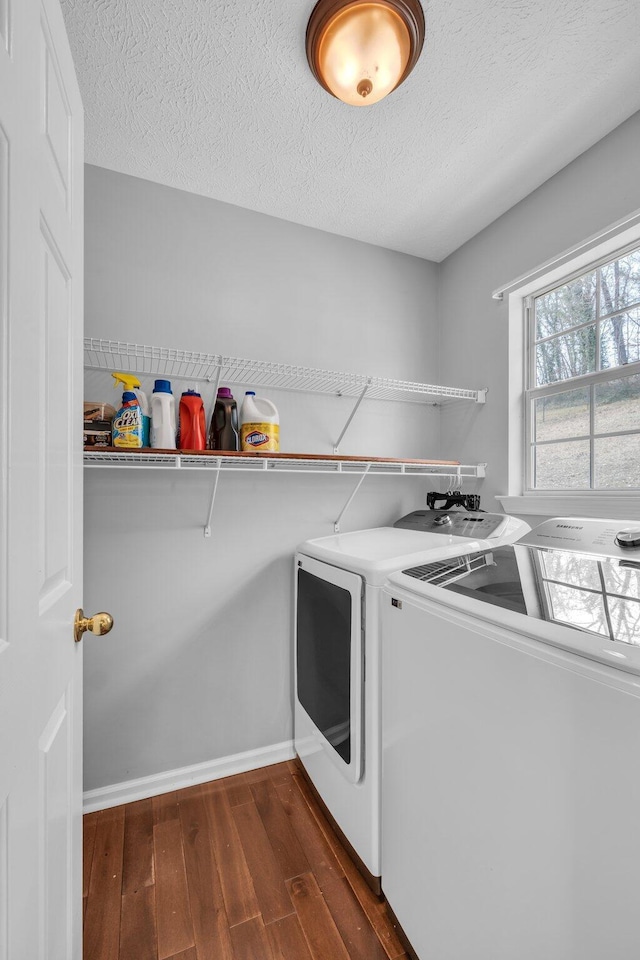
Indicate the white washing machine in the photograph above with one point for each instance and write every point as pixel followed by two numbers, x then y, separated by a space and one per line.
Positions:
pixel 511 748
pixel 337 656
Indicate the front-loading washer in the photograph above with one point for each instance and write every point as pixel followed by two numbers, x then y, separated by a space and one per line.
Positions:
pixel 338 583
pixel 511 736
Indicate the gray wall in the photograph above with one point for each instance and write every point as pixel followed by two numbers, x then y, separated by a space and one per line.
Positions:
pixel 599 188
pixel 198 666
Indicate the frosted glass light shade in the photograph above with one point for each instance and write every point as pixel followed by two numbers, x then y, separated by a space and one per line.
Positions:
pixel 360 50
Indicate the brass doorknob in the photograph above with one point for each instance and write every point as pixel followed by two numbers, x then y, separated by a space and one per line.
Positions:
pixel 98 624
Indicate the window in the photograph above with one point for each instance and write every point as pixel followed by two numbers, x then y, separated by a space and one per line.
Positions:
pixel 582 392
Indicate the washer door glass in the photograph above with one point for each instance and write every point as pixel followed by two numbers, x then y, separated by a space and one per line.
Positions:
pixel 328 657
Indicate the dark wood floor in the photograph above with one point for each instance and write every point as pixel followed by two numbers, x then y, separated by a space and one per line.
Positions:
pixel 245 868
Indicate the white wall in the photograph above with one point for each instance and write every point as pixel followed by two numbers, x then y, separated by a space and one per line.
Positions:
pixel 599 188
pixel 198 665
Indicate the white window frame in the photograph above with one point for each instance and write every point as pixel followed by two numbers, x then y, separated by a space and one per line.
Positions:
pixel 623 504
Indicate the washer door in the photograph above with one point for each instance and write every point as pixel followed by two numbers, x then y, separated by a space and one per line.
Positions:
pixel 329 660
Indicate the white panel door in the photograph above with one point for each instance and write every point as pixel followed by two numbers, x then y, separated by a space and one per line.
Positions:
pixel 41 237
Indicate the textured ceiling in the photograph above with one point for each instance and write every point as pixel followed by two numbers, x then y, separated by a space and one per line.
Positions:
pixel 216 97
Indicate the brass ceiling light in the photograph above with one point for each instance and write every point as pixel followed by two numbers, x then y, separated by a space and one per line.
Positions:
pixel 361 50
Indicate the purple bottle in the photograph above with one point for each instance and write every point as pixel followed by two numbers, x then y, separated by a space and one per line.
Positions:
pixel 223 432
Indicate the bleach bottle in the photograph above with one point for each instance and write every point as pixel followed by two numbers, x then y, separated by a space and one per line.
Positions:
pixel 163 416
pixel 128 423
pixel 259 424
pixel 131 384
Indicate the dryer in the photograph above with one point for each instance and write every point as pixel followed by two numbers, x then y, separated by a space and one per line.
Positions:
pixel 338 583
pixel 511 736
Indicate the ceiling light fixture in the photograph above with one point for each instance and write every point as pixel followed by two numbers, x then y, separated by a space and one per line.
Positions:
pixel 361 50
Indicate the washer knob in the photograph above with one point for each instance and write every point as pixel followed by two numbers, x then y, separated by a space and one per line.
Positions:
pixel 629 538
pixel 440 521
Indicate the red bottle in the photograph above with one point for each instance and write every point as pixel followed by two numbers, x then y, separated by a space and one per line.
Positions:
pixel 193 434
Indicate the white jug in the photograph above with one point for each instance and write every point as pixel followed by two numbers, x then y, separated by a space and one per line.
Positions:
pixel 163 416
pixel 259 424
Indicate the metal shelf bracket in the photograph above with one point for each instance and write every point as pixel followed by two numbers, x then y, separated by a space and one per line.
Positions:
pixel 482 395
pixel 207 528
pixel 336 526
pixel 216 381
pixel 336 448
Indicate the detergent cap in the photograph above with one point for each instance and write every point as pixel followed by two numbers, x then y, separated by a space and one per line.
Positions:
pixel 162 386
pixel 129 381
pixel 190 393
pixel 249 393
pixel 225 393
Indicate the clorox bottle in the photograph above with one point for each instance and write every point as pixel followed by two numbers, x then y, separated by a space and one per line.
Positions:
pixel 259 424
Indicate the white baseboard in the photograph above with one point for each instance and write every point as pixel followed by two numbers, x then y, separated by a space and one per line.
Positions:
pixel 129 790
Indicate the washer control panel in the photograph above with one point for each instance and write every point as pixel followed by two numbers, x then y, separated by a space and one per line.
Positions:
pixel 606 538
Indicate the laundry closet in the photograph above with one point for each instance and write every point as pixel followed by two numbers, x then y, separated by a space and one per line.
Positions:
pixel 199 679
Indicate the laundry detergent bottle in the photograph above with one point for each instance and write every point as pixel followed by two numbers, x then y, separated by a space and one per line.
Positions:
pixel 259 424
pixel 131 383
pixel 223 432
pixel 193 431
pixel 163 416
pixel 127 425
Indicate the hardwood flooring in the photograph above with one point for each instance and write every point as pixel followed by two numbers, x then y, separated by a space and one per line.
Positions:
pixel 244 868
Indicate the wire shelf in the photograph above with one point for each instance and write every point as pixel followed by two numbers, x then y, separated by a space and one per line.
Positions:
pixel 214 465
pixel 289 464
pixel 198 367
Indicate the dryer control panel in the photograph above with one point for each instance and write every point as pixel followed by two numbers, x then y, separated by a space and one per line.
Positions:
pixel 458 523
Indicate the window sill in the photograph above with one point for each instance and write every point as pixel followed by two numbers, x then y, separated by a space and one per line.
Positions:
pixel 617 506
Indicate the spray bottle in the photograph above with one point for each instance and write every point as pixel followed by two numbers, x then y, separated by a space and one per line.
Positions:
pixel 128 423
pixel 131 383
